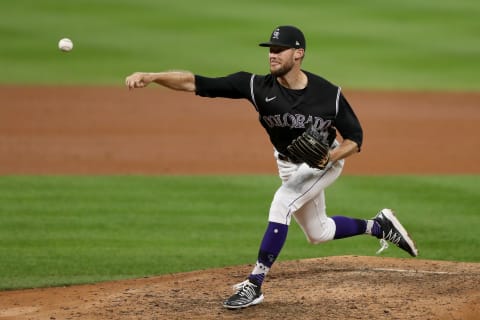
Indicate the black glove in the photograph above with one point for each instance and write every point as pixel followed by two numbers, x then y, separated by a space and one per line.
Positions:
pixel 311 147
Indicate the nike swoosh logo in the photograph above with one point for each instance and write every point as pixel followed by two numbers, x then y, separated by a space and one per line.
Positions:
pixel 267 99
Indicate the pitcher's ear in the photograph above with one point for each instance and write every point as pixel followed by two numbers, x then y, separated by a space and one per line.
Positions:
pixel 299 53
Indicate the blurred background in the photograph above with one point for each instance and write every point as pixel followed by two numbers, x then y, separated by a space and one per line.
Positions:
pixel 419 45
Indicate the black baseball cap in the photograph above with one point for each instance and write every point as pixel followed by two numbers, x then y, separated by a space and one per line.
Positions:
pixel 286 36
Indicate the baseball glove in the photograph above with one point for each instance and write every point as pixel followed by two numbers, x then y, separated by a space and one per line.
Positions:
pixel 311 147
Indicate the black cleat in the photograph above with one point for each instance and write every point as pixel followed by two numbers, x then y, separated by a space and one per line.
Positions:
pixel 393 231
pixel 247 294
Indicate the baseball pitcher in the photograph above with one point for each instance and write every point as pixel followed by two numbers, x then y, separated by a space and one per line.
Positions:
pixel 302 113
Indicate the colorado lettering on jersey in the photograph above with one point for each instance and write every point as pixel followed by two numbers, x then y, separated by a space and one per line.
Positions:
pixel 295 121
pixel 285 113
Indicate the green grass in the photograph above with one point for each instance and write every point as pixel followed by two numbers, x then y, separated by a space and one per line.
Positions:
pixel 411 44
pixel 67 230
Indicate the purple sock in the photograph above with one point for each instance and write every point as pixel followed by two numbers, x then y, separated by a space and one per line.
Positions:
pixel 270 248
pixel 348 227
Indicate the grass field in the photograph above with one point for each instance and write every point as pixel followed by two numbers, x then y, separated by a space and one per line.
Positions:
pixel 63 230
pixel 407 44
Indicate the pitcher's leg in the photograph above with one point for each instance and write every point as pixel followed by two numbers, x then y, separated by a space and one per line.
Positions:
pixel 272 243
pixel 249 292
pixel 318 227
pixel 313 220
pixel 302 187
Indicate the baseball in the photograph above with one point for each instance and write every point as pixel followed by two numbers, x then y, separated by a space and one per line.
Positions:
pixel 65 45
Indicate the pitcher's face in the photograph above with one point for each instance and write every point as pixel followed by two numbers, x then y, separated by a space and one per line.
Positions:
pixel 282 59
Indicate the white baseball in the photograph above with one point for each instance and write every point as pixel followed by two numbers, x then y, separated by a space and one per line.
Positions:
pixel 65 44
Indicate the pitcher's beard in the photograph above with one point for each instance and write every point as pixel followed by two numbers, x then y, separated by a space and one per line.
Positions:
pixel 279 72
pixel 282 71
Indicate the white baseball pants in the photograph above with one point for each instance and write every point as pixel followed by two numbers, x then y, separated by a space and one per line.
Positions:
pixel 302 196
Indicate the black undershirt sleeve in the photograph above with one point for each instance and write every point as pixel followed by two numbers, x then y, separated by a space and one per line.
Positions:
pixel 234 86
pixel 347 122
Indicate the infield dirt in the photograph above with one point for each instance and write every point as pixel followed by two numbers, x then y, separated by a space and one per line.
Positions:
pixel 66 130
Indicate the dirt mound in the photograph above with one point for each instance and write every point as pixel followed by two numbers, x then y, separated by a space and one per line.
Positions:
pixel 347 287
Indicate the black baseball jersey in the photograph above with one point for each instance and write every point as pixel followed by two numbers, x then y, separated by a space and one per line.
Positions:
pixel 283 112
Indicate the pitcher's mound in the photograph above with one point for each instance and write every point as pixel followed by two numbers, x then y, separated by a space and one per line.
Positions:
pixel 347 287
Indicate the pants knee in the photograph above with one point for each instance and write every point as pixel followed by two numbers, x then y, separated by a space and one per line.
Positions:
pixel 318 240
pixel 323 234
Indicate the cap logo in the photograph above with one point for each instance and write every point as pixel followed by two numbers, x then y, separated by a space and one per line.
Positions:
pixel 276 34
pixel 297 43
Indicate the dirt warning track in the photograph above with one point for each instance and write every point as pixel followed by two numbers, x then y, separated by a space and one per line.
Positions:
pixel 68 130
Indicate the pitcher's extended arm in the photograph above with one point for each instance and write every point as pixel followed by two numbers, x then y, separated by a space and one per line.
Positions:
pixel 176 80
